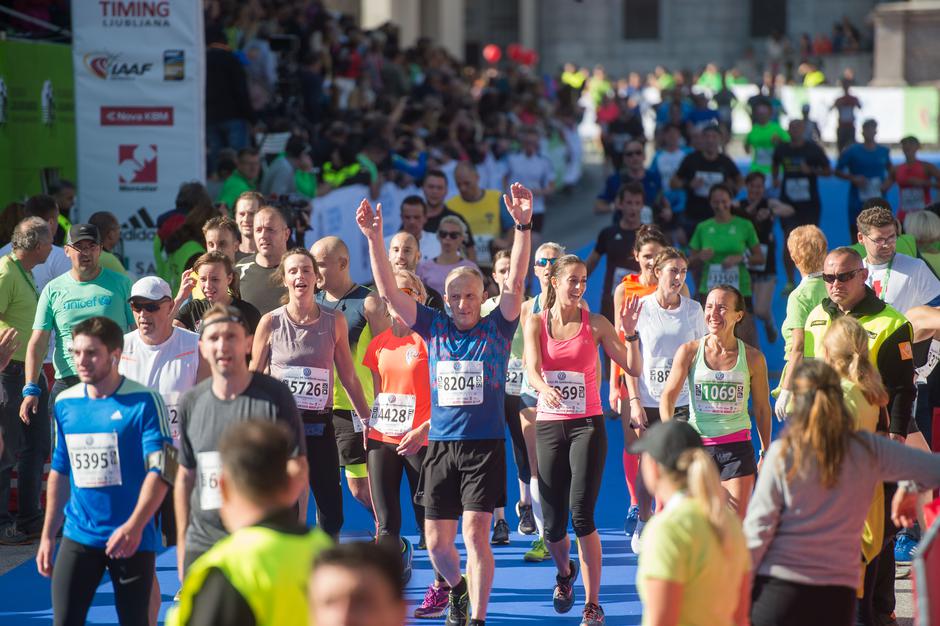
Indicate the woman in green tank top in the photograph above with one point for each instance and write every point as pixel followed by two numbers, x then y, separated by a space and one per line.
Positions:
pixel 723 374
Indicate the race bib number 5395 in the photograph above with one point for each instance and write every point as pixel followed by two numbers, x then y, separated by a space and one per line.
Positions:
pixel 94 459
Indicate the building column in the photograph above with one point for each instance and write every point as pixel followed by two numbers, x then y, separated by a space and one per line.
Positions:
pixel 404 13
pixel 450 27
pixel 890 46
pixel 528 24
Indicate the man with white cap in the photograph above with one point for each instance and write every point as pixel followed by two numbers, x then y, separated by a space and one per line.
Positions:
pixel 164 358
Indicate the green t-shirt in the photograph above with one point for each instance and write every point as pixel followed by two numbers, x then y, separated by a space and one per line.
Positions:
pixel 234 186
pixel 800 302
pixel 762 139
pixel 111 262
pixel 341 399
pixel 65 302
pixel 732 237
pixel 18 299
pixel 680 546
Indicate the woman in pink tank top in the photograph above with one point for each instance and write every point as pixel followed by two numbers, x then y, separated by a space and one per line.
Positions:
pixel 571 442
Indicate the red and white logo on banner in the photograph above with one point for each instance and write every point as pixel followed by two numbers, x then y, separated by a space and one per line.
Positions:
pixel 137 164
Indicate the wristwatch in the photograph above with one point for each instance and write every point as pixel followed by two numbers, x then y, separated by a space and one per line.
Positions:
pixel 524 227
pixel 632 337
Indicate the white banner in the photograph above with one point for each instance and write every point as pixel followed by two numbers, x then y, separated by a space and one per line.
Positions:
pixel 139 112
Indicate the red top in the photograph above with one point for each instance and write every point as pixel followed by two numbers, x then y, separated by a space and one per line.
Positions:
pixel 402 366
pixel 912 198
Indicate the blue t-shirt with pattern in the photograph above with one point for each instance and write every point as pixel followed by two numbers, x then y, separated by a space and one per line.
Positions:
pixel 489 342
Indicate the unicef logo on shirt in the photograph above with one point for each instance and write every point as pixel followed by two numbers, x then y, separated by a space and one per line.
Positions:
pixel 104 300
pixel 306 371
pixel 457 366
pixel 719 375
pixel 561 375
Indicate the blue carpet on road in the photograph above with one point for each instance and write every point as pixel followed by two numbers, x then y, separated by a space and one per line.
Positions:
pixel 522 593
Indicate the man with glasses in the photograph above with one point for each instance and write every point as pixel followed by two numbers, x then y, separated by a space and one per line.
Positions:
pixel 898 279
pixel 166 359
pixel 87 290
pixel 255 272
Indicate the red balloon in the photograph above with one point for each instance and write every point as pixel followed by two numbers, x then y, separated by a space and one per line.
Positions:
pixel 492 53
pixel 530 57
pixel 514 50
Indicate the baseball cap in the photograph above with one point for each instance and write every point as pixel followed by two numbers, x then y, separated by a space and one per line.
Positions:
pixel 83 232
pixel 666 442
pixel 151 288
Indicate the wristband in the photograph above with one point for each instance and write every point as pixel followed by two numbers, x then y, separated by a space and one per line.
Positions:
pixel 523 227
pixel 31 389
pixel 632 337
pixel 637 398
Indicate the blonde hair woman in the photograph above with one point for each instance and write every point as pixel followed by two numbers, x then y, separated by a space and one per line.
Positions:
pixel 694 564
pixel 807 246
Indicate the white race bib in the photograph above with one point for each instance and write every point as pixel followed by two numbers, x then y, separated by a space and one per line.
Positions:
pixel 797 189
pixel 655 374
pixel 481 243
pixel 210 470
pixel 721 393
pixel 720 275
pixel 310 386
pixel 459 383
pixel 514 377
pixel 912 198
pixel 757 268
pixel 871 189
pixel 94 459
pixel 711 179
pixel 393 414
pixel 172 401
pixel 570 385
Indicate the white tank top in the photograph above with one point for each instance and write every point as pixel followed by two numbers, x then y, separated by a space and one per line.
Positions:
pixel 169 368
pixel 662 331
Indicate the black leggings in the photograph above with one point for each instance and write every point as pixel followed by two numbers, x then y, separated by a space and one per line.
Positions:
pixel 571 455
pixel 323 467
pixel 519 454
pixel 77 574
pixel 776 602
pixel 385 469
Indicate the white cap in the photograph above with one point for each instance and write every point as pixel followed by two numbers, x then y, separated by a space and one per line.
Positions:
pixel 151 288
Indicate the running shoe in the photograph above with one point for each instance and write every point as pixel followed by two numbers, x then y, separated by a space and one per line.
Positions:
pixel 563 595
pixel 636 542
pixel 458 608
pixel 526 519
pixel 633 516
pixel 13 536
pixel 538 553
pixel 905 549
pixel 500 533
pixel 434 604
pixel 407 557
pixel 593 615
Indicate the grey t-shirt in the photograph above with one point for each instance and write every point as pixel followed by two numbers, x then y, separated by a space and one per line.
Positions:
pixel 203 418
pixel 256 286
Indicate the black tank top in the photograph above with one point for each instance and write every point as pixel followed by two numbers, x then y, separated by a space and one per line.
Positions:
pixel 353 308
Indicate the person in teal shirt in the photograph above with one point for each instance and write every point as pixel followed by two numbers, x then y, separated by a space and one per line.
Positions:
pixel 764 136
pixel 87 290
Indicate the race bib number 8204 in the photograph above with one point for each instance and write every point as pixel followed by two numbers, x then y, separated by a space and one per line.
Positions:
pixel 459 383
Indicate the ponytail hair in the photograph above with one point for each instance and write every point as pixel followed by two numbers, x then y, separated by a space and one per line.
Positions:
pixel 845 348
pixel 649 233
pixel 696 475
pixel 557 270
pixel 820 427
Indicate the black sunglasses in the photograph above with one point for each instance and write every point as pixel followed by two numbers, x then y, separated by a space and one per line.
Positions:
pixel 444 234
pixel 842 277
pixel 149 307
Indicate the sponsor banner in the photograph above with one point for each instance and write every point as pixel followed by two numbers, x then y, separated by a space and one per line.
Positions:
pixel 139 68
pixel 37 118
pixel 900 111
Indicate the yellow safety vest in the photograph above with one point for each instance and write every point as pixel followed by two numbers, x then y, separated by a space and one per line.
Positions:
pixel 880 326
pixel 268 568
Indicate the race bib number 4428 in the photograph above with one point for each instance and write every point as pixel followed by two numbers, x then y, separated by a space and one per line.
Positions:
pixel 459 383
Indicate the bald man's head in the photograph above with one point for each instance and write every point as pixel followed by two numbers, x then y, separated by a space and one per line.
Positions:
pixel 403 251
pixel 332 255
pixel 468 181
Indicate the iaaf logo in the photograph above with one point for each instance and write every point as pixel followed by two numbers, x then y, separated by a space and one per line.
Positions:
pixel 137 167
pixel 108 66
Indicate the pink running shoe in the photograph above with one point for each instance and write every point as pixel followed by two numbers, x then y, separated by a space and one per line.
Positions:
pixel 435 603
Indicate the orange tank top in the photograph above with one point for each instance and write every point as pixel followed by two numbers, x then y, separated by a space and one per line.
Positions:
pixel 631 287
